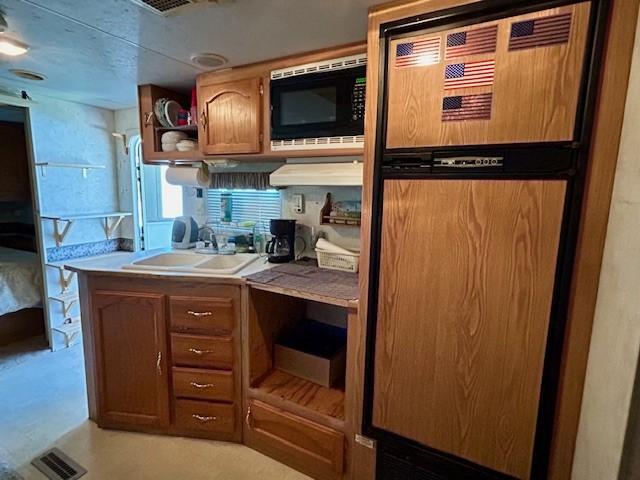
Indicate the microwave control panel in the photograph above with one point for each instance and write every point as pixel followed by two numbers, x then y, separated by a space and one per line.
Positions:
pixel 359 92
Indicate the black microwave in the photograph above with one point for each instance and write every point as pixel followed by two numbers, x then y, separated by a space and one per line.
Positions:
pixel 322 104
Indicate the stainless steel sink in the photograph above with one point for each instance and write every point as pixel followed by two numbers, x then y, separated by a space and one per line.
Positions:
pixel 191 262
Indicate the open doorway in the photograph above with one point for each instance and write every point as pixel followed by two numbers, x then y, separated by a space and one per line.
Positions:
pixel 21 278
pixel 158 202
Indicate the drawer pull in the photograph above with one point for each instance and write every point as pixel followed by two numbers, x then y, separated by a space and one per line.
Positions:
pixel 203 418
pixel 202 385
pixel 200 352
pixel 199 314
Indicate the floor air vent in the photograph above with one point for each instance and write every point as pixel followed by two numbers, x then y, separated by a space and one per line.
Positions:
pixel 57 466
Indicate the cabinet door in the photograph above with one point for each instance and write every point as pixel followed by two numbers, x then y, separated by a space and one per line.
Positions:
pixel 230 117
pixel 467 272
pixel 131 356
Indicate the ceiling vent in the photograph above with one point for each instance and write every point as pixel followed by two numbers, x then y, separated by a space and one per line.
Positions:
pixel 165 7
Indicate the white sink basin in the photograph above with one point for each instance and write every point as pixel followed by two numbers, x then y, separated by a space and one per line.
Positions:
pixel 170 260
pixel 190 262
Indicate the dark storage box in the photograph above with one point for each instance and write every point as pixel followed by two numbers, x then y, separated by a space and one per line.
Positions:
pixel 313 351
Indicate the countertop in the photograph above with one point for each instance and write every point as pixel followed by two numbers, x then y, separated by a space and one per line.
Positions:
pixel 300 279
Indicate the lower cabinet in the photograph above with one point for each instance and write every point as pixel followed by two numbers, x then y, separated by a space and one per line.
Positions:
pixel 130 359
pixel 162 356
pixel 300 443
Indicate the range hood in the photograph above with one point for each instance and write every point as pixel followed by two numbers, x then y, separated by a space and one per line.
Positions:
pixel 321 174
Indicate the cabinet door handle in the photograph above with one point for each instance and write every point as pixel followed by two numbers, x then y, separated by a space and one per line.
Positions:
pixel 249 418
pixel 204 418
pixel 202 385
pixel 148 117
pixel 200 352
pixel 199 314
pixel 203 119
pixel 159 364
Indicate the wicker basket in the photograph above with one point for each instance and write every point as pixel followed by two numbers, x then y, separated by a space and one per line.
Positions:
pixel 338 261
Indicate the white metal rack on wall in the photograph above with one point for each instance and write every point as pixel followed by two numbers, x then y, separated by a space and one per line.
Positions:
pixel 85 167
pixel 60 232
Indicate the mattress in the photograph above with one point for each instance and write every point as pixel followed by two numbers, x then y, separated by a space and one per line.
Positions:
pixel 20 280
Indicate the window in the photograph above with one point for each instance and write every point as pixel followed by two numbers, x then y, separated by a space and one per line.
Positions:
pixel 163 201
pixel 246 205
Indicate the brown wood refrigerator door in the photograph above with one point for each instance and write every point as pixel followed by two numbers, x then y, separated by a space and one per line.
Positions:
pixel 131 355
pixel 514 80
pixel 466 280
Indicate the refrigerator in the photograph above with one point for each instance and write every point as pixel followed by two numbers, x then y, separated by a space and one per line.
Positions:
pixel 482 143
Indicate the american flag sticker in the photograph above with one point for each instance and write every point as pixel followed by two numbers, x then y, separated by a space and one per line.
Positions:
pixel 472 42
pixel 540 32
pixel 468 75
pixel 467 107
pixel 419 53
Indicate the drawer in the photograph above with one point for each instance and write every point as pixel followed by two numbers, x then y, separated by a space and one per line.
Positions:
pixel 204 416
pixel 202 315
pixel 305 445
pixel 203 384
pixel 201 351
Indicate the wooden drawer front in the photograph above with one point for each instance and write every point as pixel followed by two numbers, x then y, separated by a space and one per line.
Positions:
pixel 202 315
pixel 203 384
pixel 298 442
pixel 201 351
pixel 204 416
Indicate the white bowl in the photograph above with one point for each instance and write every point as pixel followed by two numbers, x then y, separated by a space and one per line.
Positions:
pixel 173 137
pixel 186 147
pixel 169 147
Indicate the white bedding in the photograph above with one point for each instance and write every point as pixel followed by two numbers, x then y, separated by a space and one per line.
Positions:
pixel 20 280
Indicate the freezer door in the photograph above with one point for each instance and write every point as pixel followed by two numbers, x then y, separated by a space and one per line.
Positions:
pixel 514 80
pixel 466 280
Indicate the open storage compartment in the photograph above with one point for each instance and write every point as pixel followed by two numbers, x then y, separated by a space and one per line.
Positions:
pixel 286 367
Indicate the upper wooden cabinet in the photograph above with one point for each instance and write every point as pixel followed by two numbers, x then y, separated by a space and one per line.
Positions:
pixel 230 118
pixel 152 131
pixel 130 345
pixel 514 80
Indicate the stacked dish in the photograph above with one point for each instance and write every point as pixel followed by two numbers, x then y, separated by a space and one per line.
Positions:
pixel 187 145
pixel 166 111
pixel 170 141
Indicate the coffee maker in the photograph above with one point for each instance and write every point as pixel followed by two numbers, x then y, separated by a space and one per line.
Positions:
pixel 281 247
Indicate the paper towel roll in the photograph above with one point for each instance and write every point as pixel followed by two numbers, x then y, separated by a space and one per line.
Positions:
pixel 188 177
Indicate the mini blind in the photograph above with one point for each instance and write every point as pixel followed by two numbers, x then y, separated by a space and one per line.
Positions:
pixel 258 205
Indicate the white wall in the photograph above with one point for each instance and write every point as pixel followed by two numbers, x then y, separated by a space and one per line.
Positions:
pixel 615 342
pixel 72 133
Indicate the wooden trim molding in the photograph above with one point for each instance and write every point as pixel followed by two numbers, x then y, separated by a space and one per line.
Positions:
pixel 593 229
pixel 595 214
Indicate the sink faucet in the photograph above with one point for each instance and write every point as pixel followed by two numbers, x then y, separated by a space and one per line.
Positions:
pixel 212 236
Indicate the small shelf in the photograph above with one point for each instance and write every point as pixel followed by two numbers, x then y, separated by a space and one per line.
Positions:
pixel 181 128
pixel 282 388
pixel 60 233
pixel 85 167
pixel 327 219
pixel 71 328
pixel 68 300
pixel 65 279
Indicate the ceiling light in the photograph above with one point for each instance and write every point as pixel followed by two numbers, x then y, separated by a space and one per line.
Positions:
pixel 28 75
pixel 208 60
pixel 11 47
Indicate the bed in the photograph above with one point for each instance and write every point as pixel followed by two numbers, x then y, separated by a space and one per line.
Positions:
pixel 21 314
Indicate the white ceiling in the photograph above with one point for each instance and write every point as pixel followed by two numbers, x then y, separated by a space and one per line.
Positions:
pixel 97 51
